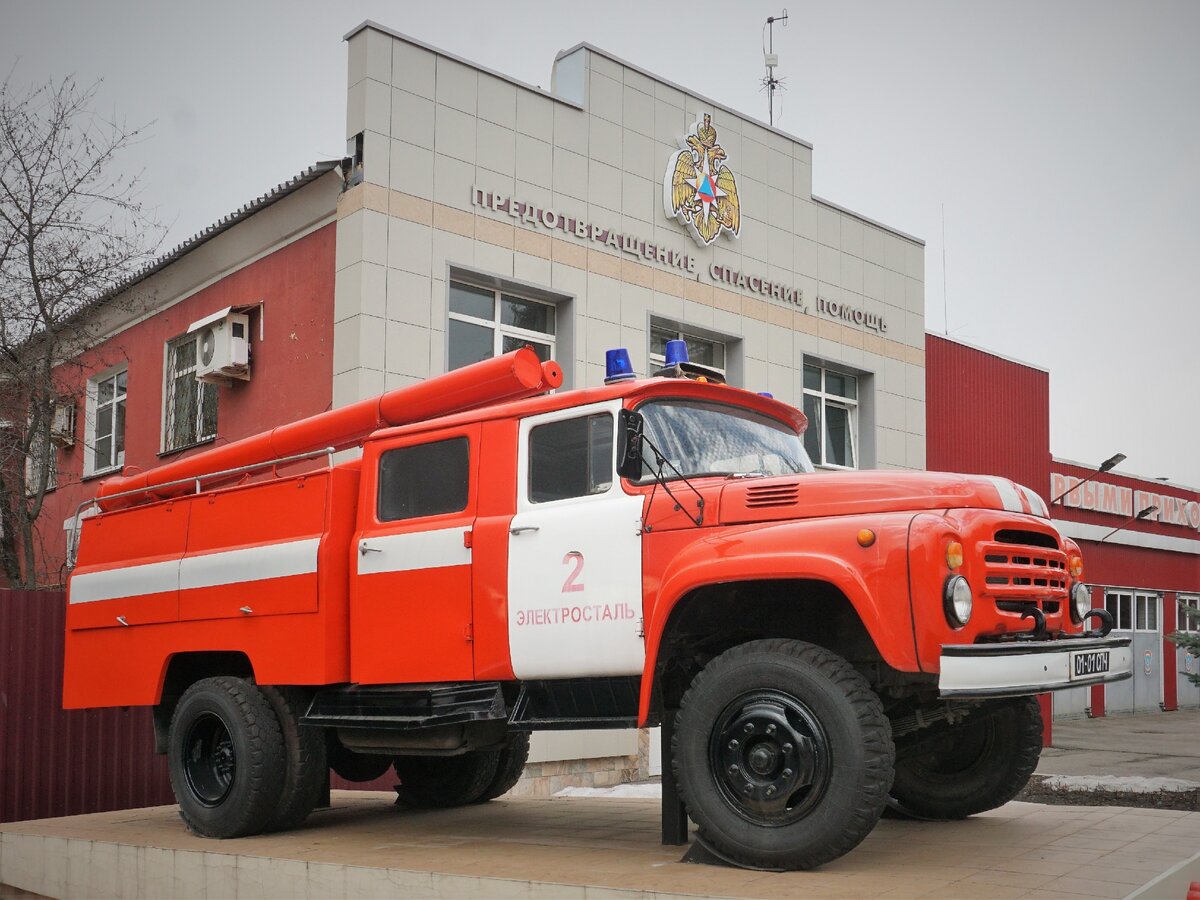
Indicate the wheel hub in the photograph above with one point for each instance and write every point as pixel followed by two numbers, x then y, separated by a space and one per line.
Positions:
pixel 770 757
pixel 209 759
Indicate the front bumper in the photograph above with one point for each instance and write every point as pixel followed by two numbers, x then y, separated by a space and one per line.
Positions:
pixel 978 671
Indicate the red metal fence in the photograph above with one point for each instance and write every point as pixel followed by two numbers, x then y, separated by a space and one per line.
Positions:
pixel 56 762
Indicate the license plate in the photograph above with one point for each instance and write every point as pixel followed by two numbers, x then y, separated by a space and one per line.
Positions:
pixel 1089 663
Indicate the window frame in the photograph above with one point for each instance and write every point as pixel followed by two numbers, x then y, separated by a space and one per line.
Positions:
pixel 826 399
pixel 170 377
pixel 1187 623
pixel 1147 601
pixel 51 450
pixel 588 417
pixel 1120 623
pixel 527 424
pixel 498 328
pixel 92 417
pixel 379 518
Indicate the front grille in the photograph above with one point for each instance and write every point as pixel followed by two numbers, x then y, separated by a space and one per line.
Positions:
pixel 1019 575
pixel 761 496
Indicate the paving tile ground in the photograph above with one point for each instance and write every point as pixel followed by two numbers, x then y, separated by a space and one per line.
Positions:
pixel 1151 745
pixel 585 847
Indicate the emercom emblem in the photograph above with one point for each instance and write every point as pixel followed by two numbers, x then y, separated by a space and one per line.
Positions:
pixel 699 189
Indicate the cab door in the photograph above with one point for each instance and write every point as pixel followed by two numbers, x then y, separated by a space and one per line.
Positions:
pixel 574 551
pixel 410 615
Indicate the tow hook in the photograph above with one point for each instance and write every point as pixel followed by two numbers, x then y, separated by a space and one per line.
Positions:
pixel 1106 622
pixel 1039 621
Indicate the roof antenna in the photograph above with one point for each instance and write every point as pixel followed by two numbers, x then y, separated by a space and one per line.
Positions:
pixel 771 58
pixel 945 302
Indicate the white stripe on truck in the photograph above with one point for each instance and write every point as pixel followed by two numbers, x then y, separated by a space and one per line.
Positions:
pixel 249 564
pixel 1008 493
pixel 413 550
pixel 204 570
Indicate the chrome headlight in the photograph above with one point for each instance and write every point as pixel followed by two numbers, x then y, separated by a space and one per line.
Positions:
pixel 957 600
pixel 1081 602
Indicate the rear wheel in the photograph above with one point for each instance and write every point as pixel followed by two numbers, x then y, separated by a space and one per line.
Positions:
pixel 354 766
pixel 444 781
pixel 509 767
pixel 976 765
pixel 782 754
pixel 226 759
pixel 306 760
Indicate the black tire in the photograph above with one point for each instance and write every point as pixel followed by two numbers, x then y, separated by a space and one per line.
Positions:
pixel 226 759
pixel 356 766
pixel 979 764
pixel 305 764
pixel 509 767
pixel 799 727
pixel 438 782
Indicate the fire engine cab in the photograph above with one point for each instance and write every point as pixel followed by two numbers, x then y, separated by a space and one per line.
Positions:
pixel 501 558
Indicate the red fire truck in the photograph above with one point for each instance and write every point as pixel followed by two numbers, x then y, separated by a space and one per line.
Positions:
pixel 501 558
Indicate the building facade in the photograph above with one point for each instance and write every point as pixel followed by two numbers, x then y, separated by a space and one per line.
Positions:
pixel 617 209
pixel 132 399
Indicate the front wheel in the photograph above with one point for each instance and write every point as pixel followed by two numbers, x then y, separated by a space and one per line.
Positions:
pixel 226 758
pixel 783 755
pixel 977 765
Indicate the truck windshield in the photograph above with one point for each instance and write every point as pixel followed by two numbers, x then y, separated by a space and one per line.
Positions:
pixel 702 438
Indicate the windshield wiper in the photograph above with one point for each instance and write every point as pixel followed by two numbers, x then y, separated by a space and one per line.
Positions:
pixel 660 479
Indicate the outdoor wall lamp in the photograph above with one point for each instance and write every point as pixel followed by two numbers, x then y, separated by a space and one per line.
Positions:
pixel 1149 510
pixel 1111 463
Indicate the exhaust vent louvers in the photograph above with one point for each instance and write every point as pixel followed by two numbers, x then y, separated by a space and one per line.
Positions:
pixel 768 495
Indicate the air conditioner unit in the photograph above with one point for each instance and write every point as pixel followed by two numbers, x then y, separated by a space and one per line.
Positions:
pixel 62 428
pixel 222 347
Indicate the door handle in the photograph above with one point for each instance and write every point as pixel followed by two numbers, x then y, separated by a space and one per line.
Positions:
pixel 518 529
pixel 363 549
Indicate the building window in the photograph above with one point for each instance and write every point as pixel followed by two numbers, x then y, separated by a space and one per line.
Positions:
pixel 40 449
pixel 105 448
pixel 701 350
pixel 191 413
pixel 1189 613
pixel 425 480
pixel 1146 612
pixel 571 458
pixel 486 323
pixel 1120 607
pixel 831 405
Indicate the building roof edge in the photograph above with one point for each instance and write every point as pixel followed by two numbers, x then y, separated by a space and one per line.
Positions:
pixel 1011 359
pixel 849 212
pixel 584 45
pixel 424 45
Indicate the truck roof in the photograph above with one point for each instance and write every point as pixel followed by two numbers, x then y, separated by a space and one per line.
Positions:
pixel 635 390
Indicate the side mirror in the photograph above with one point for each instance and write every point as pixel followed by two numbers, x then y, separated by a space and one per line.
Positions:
pixel 629 444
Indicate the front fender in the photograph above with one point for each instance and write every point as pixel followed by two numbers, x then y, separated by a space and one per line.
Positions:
pixel 874 579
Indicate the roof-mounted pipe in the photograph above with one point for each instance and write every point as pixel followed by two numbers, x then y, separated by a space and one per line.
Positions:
pixel 513 376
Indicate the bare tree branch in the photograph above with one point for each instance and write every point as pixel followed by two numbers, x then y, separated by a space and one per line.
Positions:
pixel 72 231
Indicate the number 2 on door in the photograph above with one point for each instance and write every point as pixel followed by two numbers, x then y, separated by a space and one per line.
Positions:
pixel 573 583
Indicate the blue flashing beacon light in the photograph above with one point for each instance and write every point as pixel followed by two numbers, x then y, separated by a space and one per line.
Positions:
pixel 766 394
pixel 676 353
pixel 617 366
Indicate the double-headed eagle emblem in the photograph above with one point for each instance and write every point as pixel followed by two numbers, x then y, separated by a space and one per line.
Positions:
pixel 699 189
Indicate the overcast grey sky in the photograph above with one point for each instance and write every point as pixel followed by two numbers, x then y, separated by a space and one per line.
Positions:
pixel 1062 139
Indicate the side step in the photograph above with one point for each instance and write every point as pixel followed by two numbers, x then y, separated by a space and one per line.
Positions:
pixel 411 706
pixel 572 703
